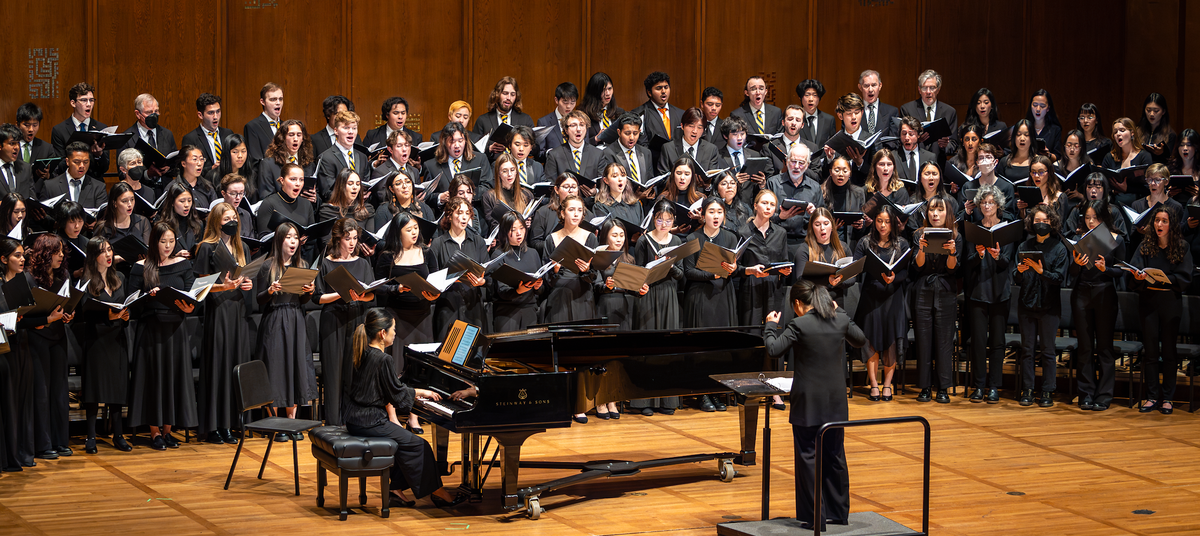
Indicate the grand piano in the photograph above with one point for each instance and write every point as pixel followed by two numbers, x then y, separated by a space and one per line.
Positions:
pixel 531 381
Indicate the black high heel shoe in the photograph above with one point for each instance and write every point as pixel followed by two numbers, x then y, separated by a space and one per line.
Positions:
pixel 90 446
pixel 442 503
pixel 874 397
pixel 886 398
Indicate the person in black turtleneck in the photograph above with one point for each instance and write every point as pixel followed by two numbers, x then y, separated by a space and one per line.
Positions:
pixel 1160 304
pixel 841 195
pixel 1039 305
pixel 1094 308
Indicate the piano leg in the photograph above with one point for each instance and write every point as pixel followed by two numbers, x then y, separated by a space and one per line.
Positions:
pixel 510 465
pixel 749 424
pixel 441 444
pixel 472 477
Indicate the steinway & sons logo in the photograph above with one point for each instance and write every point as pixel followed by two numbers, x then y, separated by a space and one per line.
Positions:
pixel 523 400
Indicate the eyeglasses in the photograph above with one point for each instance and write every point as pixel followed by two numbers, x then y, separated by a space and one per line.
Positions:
pixel 664 222
pixel 797 162
pixel 236 195
pixel 1083 118
pixel 1037 173
pixel 1155 180
pixel 570 188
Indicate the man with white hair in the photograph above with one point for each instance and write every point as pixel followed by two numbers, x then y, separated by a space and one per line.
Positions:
pixel 145 110
pixel 799 195
pixel 877 116
pixel 927 108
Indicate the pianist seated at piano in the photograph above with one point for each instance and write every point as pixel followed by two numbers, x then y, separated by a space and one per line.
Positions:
pixel 370 405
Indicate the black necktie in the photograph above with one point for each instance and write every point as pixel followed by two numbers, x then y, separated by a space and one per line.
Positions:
pixel 153 140
pixel 912 165
pixel 691 151
pixel 9 177
pixel 737 160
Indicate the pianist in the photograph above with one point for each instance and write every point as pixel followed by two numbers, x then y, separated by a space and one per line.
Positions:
pixel 818 395
pixel 370 405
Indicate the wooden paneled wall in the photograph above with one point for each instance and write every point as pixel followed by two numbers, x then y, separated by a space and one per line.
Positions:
pixel 1110 52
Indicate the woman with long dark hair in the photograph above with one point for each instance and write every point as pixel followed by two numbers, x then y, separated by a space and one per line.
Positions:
pixel 515 308
pixel 982 111
pixel 1092 126
pixel 659 307
pixel 178 210
pixel 599 104
pixel 119 221
pixel 237 163
pixel 1094 308
pixel 508 191
pixel 934 290
pixel 616 196
pixel 462 300
pixel 101 332
pixel 340 317
pixel 1159 138
pixel 13 214
pixel 881 311
pixel 45 260
pixel 1015 165
pixel 16 370
pixel 291 145
pixel 283 342
pixel 163 393
pixel 401 197
pixel 546 218
pixel 226 342
pixel 1044 118
pixel 370 403
pixel 347 200
pixel 1160 305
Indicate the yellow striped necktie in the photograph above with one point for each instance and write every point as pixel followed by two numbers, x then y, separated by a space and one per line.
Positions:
pixel 457 166
pixel 633 174
pixel 758 120
pixel 291 159
pixel 604 122
pixel 578 161
pixel 216 145
pixel 666 121
pixel 504 118
pixel 350 158
pixel 521 170
pixel 274 125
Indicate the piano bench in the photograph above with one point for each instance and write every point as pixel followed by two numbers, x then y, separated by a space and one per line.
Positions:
pixel 347 457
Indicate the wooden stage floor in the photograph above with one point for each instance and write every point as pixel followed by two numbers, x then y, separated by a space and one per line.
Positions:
pixel 999 469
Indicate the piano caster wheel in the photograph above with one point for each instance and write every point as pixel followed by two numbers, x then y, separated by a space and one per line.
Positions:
pixel 727 471
pixel 533 506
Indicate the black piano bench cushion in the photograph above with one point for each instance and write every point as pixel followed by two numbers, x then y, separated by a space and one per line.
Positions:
pixel 336 446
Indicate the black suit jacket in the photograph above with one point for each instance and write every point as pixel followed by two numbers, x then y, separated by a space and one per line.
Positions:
pixel 58 140
pixel 715 136
pixel 489 121
pixel 901 158
pixel 332 161
pixel 616 153
pixel 826 128
pixel 561 159
pixel 379 135
pixel 91 194
pixel 162 136
pixel 772 118
pixel 883 118
pixel 430 169
pixel 40 150
pixel 818 346
pixel 23 173
pixel 258 136
pixel 535 172
pixel 200 139
pixel 916 109
pixel 706 155
pixel 652 123
pixel 554 138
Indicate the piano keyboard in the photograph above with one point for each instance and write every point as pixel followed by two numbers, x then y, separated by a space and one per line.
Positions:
pixel 445 407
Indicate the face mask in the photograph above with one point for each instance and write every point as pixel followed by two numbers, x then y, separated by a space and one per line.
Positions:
pixel 230 229
pixel 986 166
pixel 136 173
pixel 152 121
pixel 1041 229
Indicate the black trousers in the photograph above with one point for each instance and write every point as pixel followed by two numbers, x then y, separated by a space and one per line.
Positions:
pixel 1095 312
pixel 1038 330
pixel 933 322
pixel 987 321
pixel 51 403
pixel 835 478
pixel 1161 311
pixel 415 466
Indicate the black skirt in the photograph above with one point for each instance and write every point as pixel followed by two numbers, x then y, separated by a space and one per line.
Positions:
pixel 284 347
pixel 226 345
pixel 163 390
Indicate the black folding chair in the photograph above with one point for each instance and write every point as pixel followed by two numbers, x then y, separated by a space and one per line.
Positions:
pixel 253 389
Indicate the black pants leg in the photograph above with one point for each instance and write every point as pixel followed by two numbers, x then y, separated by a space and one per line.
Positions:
pixel 415 466
pixel 1106 359
pixel 987 321
pixel 1084 299
pixel 835 478
pixel 943 328
pixel 1160 312
pixel 1038 328
pixel 923 328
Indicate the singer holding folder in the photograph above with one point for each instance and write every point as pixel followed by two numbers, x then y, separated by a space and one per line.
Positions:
pixel 988 288
pixel 283 343
pixel 881 310
pixel 659 307
pixel 1039 304
pixel 817 337
pixel 48 346
pixel 1094 308
pixel 227 339
pixel 339 317
pixel 1160 305
pixel 163 393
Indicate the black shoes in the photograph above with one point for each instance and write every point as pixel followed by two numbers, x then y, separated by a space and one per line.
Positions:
pixel 441 503
pixel 90 446
pixel 47 455
pixel 976 396
pixel 170 441
pixel 718 403
pixel 706 404
pixel 1026 397
pixel 282 437
pixel 158 444
pixel 120 443
pixel 779 406
pixel 1148 407
pixel 888 397
pixel 1100 407
pixel 873 397
pixel 393 500
pixel 1086 403
pixel 925 396
pixel 581 419
pixel 64 451
pixel 1166 408
pixel 215 438
pixel 614 415
pixel 603 415
pixel 647 412
pixel 227 437
pixel 993 396
pixel 1047 399
pixel 665 411
pixel 943 397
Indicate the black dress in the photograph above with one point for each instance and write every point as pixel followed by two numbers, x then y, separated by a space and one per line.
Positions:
pixel 338 322
pixel 512 311
pixel 374 385
pixel 48 346
pixel 545 221
pixel 17 399
pixel 105 349
pixel 333 212
pixel 658 308
pixel 761 295
pixel 226 341
pixel 570 296
pixel 414 314
pixel 283 344
pixel 709 301
pixel 460 301
pixel 628 212
pixel 299 210
pixel 615 304
pixel 881 310
pixel 162 390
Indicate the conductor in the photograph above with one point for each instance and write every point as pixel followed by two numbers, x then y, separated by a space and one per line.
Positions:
pixel 818 395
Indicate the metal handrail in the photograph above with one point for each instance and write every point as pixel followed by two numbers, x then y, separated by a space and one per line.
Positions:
pixel 818 517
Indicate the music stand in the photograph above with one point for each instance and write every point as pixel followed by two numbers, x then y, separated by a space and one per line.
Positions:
pixel 751 385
